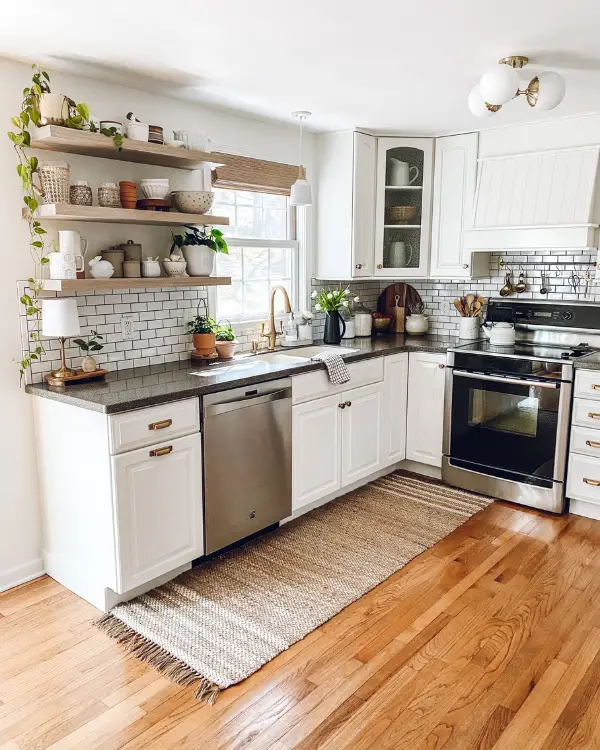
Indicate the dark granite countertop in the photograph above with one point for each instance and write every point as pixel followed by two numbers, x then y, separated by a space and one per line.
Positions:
pixel 588 362
pixel 158 384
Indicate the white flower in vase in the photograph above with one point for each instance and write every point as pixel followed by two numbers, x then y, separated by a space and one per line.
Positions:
pixel 317 306
pixel 314 294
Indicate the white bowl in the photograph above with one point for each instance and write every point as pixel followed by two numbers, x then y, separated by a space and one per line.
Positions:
pixel 155 191
pixel 193 201
pixel 174 267
pixel 156 180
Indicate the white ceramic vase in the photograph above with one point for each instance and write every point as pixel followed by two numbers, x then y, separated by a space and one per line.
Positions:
pixel 200 260
pixel 468 328
pixel 53 109
pixel 89 364
pixel 416 324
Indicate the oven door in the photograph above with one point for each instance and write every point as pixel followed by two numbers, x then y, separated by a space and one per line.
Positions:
pixel 508 428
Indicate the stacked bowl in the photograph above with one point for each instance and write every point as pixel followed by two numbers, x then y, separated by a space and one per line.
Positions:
pixel 127 191
pixel 155 189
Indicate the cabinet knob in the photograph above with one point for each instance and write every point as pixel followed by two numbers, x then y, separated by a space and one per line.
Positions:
pixel 342 406
pixel 441 366
pixel 358 266
pixel 380 265
pixel 348 403
pixel 465 265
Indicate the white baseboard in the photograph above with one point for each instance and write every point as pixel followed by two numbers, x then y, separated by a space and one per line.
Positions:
pixel 21 574
pixel 583 508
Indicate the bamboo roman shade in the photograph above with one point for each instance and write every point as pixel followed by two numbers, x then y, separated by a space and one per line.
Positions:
pixel 255 175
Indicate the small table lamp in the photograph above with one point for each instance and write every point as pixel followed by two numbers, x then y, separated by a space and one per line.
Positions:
pixel 60 320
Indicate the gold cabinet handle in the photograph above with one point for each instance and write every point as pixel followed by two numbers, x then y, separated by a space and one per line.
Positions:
pixel 593 482
pixel 160 425
pixel 592 443
pixel 593 415
pixel 441 366
pixel 595 387
pixel 161 451
pixel 380 265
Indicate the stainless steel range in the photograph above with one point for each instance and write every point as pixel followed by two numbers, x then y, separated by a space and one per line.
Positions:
pixel 507 408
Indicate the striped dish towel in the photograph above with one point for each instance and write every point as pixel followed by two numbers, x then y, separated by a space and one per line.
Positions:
pixel 336 367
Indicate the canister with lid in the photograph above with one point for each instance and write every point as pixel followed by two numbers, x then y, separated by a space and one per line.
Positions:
pixel 132 250
pixel 363 321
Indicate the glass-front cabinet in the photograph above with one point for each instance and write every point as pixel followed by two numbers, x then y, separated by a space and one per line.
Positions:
pixel 403 207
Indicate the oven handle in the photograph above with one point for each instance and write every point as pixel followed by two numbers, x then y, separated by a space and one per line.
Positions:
pixel 511 381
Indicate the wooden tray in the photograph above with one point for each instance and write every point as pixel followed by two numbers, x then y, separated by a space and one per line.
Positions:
pixel 79 377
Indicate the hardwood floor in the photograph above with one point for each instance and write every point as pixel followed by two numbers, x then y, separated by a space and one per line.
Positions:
pixel 491 639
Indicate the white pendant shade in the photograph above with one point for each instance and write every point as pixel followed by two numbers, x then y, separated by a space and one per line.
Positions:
pixel 477 103
pixel 301 194
pixel 60 317
pixel 552 90
pixel 499 84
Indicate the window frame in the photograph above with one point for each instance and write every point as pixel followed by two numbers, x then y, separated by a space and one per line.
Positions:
pixel 297 293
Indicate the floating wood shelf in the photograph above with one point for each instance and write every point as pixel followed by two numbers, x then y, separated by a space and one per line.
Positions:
pixel 71 141
pixel 74 285
pixel 69 212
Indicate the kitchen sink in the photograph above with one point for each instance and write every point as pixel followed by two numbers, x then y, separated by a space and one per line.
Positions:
pixel 278 358
pixel 306 352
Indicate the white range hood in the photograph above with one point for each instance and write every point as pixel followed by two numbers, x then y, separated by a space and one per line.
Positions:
pixel 544 200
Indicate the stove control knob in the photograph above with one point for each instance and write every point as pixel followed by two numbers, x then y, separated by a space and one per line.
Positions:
pixel 566 315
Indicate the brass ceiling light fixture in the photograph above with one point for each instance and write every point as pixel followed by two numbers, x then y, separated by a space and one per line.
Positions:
pixel 501 83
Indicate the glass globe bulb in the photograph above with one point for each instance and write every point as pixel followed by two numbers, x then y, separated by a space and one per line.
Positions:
pixel 500 84
pixel 477 103
pixel 551 92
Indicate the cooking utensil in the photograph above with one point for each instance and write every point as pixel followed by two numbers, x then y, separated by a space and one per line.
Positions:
pixel 588 277
pixel 459 307
pixel 543 288
pixel 508 287
pixel 470 299
pixel 477 307
pixel 575 281
pixel 521 284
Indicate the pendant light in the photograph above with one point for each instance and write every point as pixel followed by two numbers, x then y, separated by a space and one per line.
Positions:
pixel 301 193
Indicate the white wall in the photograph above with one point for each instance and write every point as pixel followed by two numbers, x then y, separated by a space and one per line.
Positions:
pixel 20 532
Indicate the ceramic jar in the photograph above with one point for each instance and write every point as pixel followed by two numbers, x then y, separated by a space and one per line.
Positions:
pixel 80 193
pixel 108 195
pixel 468 328
pixel 115 256
pixel 350 332
pixel 132 269
pixel 416 324
pixel 150 269
pixel 363 322
pixel 132 250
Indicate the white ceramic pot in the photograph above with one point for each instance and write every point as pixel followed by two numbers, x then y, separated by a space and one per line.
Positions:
pixel 89 364
pixel 200 259
pixel 65 265
pixel 137 131
pixel 53 109
pixel 150 269
pixel 416 324
pixel 468 328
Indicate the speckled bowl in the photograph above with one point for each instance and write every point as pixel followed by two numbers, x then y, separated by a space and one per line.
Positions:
pixel 192 201
pixel 174 267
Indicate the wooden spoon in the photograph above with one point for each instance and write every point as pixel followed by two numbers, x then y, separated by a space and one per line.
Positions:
pixel 470 299
pixel 476 307
pixel 459 307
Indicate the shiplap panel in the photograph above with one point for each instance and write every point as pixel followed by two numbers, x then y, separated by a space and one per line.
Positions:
pixel 543 189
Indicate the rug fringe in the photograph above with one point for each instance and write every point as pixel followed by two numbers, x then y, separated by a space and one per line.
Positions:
pixel 158 658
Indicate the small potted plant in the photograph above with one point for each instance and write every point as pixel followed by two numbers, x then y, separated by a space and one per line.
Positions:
pixel 225 341
pixel 203 329
pixel 199 248
pixel 87 345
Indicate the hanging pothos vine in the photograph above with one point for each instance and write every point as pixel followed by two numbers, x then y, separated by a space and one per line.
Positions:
pixel 78 118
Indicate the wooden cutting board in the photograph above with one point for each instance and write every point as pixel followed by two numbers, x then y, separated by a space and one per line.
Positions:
pixel 408 295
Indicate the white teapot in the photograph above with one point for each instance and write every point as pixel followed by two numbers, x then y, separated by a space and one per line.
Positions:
pixel 101 269
pixel 500 334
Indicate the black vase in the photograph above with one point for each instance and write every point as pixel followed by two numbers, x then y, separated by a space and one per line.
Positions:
pixel 333 321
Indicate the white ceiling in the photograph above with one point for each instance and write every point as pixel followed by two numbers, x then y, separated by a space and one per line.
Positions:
pixel 386 65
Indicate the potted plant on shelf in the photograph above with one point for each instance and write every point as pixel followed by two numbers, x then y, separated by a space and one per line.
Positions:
pixel 90 344
pixel 199 247
pixel 225 341
pixel 331 302
pixel 203 329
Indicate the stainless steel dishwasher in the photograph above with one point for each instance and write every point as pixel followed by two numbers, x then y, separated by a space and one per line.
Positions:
pixel 247 461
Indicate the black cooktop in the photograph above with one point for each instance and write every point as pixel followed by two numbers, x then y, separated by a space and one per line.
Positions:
pixel 527 350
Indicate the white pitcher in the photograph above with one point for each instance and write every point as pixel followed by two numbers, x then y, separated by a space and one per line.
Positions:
pixel 398 257
pixel 65 265
pixel 69 241
pixel 399 173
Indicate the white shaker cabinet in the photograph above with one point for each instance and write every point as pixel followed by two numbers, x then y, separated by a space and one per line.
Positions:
pixel 394 412
pixel 403 207
pixel 454 180
pixel 316 436
pixel 158 501
pixel 361 432
pixel 345 205
pixel 425 412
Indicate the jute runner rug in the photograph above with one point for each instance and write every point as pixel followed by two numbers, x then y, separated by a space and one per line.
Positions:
pixel 217 624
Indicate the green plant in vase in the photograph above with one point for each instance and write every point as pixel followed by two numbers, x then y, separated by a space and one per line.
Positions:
pixel 225 341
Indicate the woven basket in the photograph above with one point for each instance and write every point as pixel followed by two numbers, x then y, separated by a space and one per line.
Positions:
pixel 109 197
pixel 54 179
pixel 402 213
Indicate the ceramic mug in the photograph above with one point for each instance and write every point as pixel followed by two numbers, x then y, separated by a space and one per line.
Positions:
pixel 398 257
pixel 65 265
pixel 399 173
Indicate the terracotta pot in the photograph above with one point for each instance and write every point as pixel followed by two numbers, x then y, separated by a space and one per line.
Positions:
pixel 204 344
pixel 226 349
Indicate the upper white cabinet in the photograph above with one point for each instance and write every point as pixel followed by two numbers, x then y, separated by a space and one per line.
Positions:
pixel 454 180
pixel 403 207
pixel 345 205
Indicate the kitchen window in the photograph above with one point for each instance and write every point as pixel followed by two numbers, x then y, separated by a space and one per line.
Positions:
pixel 263 251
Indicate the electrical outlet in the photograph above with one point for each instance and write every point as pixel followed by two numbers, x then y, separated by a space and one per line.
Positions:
pixel 445 307
pixel 127 326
